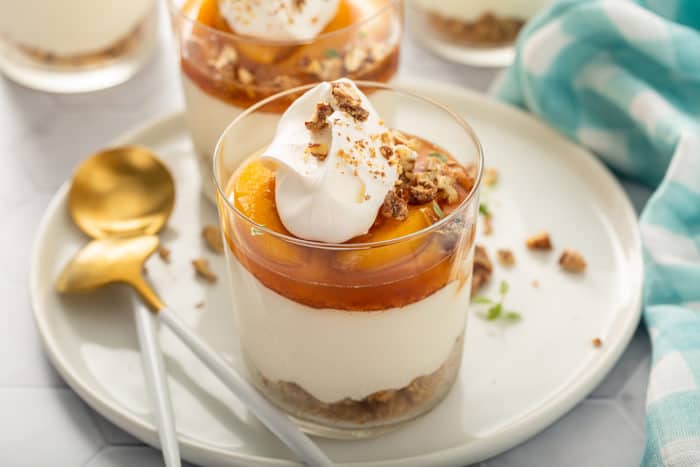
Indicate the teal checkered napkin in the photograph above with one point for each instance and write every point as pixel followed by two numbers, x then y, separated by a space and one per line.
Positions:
pixel 622 77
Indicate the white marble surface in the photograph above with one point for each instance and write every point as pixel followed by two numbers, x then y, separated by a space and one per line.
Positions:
pixel 43 423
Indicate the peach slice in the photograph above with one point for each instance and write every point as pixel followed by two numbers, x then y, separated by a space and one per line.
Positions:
pixel 419 217
pixel 254 194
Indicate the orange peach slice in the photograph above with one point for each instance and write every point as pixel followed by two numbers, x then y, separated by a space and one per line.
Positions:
pixel 378 258
pixel 254 194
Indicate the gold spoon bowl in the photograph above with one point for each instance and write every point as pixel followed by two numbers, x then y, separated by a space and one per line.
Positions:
pixel 124 191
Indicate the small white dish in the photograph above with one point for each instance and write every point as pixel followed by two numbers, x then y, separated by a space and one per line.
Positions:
pixel 515 379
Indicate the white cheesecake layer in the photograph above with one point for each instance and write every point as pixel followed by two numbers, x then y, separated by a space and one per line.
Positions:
pixel 207 117
pixel 71 27
pixel 335 354
pixel 470 10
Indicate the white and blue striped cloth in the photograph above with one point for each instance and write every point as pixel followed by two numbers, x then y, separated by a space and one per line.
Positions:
pixel 622 77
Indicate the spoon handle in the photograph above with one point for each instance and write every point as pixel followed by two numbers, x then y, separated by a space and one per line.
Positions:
pixel 157 382
pixel 269 415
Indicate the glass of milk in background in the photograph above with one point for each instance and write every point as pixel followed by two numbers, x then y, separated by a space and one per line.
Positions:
pixel 473 32
pixel 68 46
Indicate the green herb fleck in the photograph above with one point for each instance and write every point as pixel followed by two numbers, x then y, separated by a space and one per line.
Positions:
pixel 512 316
pixel 481 300
pixel 256 232
pixel 483 209
pixel 493 313
pixel 495 310
pixel 438 210
pixel 332 53
pixel 438 155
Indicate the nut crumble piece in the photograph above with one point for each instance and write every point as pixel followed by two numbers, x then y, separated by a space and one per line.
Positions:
pixel 199 305
pixel 318 150
pixel 482 268
pixel 349 101
pixel 423 189
pixel 488 224
pixel 540 241
pixel 506 257
pixel 319 120
pixel 394 207
pixel 597 342
pixel 354 59
pixel 490 176
pixel 572 261
pixel 212 236
pixel 164 254
pixel 201 267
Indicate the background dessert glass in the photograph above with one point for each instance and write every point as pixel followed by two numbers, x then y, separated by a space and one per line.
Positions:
pixel 351 340
pixel 224 73
pixel 68 46
pixel 473 32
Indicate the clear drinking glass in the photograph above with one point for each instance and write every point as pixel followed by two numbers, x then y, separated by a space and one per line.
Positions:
pixel 473 32
pixel 351 339
pixel 224 73
pixel 68 46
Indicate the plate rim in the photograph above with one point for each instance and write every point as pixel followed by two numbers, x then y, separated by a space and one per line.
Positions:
pixel 515 433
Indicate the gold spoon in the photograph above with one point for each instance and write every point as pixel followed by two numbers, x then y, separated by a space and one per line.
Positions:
pixel 122 197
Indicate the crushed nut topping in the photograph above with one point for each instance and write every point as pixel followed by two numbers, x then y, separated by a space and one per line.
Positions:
pixel 201 267
pixel 325 70
pixel 536 284
pixel 488 224
pixel 506 257
pixel 539 241
pixel 319 120
pixel 423 189
pixel 387 152
pixel 347 100
pixel 597 342
pixel 245 76
pixel 354 59
pixel 199 305
pixel 572 261
pixel 482 268
pixel 164 254
pixel 394 207
pixel 212 236
pixel 227 58
pixel 318 150
pixel 402 139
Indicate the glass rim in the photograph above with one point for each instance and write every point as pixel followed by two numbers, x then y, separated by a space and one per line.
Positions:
pixel 175 11
pixel 349 246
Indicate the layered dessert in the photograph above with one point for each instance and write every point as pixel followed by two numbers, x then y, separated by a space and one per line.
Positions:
pixel 75 33
pixel 485 23
pixel 236 52
pixel 350 249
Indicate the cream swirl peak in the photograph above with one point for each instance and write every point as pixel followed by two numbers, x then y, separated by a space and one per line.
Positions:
pixel 279 19
pixel 336 161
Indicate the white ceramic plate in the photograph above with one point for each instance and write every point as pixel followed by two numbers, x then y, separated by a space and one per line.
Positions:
pixel 515 380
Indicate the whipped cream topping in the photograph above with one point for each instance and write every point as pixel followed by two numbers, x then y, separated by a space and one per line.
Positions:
pixel 333 174
pixel 279 19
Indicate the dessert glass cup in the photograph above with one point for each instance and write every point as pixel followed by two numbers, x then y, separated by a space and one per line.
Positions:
pixel 224 73
pixel 484 37
pixel 69 46
pixel 351 340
